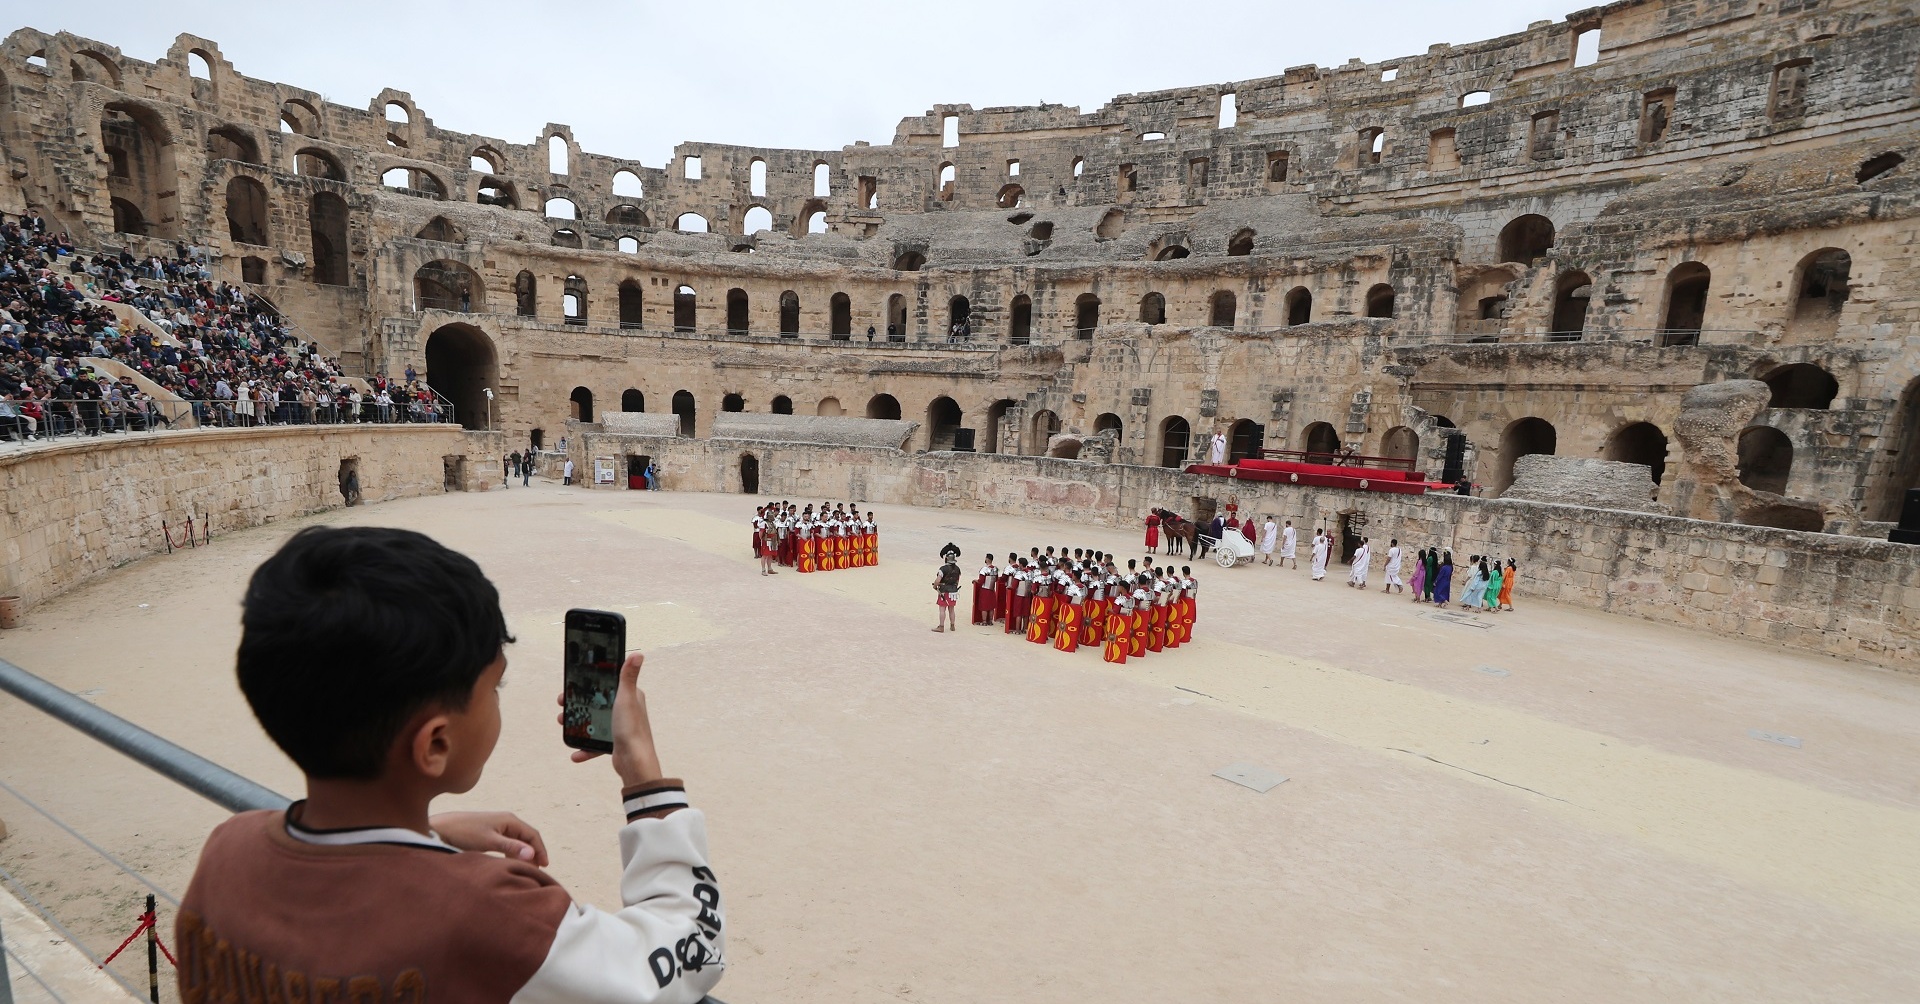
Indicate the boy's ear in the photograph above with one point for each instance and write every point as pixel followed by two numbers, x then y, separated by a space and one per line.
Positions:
pixel 430 745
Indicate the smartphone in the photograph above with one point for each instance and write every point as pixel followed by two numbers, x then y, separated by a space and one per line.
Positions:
pixel 596 645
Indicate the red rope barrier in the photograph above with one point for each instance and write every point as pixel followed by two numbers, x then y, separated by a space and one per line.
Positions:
pixel 146 921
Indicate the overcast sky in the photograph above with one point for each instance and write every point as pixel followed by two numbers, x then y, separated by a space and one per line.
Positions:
pixel 634 78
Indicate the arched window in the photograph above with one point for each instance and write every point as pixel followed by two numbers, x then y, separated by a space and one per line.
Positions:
pixel 840 316
pixel 943 421
pixel 782 405
pixel 562 209
pixel 1523 438
pixel 1172 252
pixel 1244 441
pixel 683 407
pixel 1766 459
pixel 1572 294
pixel 757 219
pixel 883 406
pixel 959 316
pixel 485 160
pixel 626 185
pixel 629 245
pixel 632 400
pixel 1153 309
pixel 996 428
pixel 1299 303
pixel 439 229
pixel 690 223
pixel 573 300
pixel 1020 326
pixel 557 155
pixel 327 221
pixel 299 118
pixel 829 407
pixel 1086 315
pixel 896 318
pixel 1175 435
pixel 632 304
pixel 1241 243
pixel 1322 443
pixel 1380 300
pixel 313 162
pixel 566 237
pixel 494 192
pixel 685 309
pixel 229 143
pixel 757 178
pixel 1823 284
pixel 524 300
pixel 582 401
pixel 822 183
pixel 1046 425
pixel 1687 288
pixel 1401 443
pixel 1079 166
pixel 944 184
pixel 1010 197
pixel 447 285
pixel 1526 238
pixel 1221 309
pixel 733 403
pixel 246 211
pixel 1109 422
pixel 1640 443
pixel 1802 385
pixel 789 313
pixel 736 316
pixel 909 261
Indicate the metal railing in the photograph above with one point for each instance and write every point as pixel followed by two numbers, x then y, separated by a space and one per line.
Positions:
pixel 66 418
pixel 1663 337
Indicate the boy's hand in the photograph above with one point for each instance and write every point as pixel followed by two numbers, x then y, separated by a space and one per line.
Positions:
pixel 491 831
pixel 634 758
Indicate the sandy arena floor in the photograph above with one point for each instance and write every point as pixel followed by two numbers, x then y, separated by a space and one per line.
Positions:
pixel 1546 805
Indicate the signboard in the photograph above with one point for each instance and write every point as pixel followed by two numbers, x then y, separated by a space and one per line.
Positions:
pixel 603 470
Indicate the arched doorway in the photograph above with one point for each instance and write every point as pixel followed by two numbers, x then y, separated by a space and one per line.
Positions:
pixel 582 400
pixel 1640 443
pixel 1687 288
pixel 1322 443
pixel 960 316
pixel 246 211
pixel 1109 422
pixel 1766 459
pixel 1222 309
pixel 883 406
pixel 632 400
pixel 1243 441
pixel 1153 309
pixel 1046 425
pixel 1801 385
pixel 896 318
pixel 1521 438
pixel 686 312
pixel 1904 433
pixel 447 285
pixel 1020 327
pixel 840 316
pixel 1823 284
pixel 789 313
pixel 829 407
pixel 732 403
pixel 683 406
pixel 749 474
pixel 1086 314
pixel 1526 238
pixel 632 304
pixel 1572 293
pixel 327 222
pixel 943 421
pixel 1175 437
pixel 737 319
pixel 1299 304
pixel 996 421
pixel 1380 301
pixel 461 365
pixel 782 404
pixel 1401 443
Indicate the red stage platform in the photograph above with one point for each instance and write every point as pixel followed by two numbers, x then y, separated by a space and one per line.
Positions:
pixel 1327 475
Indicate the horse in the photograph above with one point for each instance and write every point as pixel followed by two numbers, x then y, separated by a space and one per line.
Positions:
pixel 1176 531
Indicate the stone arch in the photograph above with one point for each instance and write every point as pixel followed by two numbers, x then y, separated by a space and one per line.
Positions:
pixel 1086 315
pixel 1572 294
pixel 581 402
pixel 1525 238
pixel 1243 441
pixel 829 407
pixel 299 117
pixel 1176 438
pixel 1686 309
pixel 127 218
pixel 1011 197
pixel 327 223
pixel 440 229
pixel 1299 305
pixel 625 215
pixel 448 285
pixel 1802 385
pixel 573 300
pixel 909 261
pixel 1222 308
pixel 1241 243
pixel 97 67
pixel 883 406
pixel 1401 443
pixel 1639 443
pixel 1321 442
pixel 246 211
pixel 781 405
pixel 1045 425
pixel 840 316
pixel 738 312
pixel 1109 422
pixel 757 218
pixel 897 317
pixel 996 424
pixel 732 403
pixel 1766 459
pixel 1380 300
pixel 313 162
pixel 686 308
pixel 633 400
pixel 632 304
pixel 688 412
pixel 525 294
pixel 1521 438
pixel 1822 283
pixel 1020 323
pixel 461 365
pixel 233 143
pixel 943 422
pixel 1903 431
pixel 749 474
pixel 959 311
pixel 789 312
pixel 142 171
pixel 1153 309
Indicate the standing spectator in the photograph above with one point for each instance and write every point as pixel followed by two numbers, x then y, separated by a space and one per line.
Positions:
pixel 411 375
pixel 869 334
pixel 566 472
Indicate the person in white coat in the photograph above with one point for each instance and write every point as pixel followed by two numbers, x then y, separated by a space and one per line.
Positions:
pixel 1362 558
pixel 1269 534
pixel 1393 568
pixel 1319 555
pixel 1217 450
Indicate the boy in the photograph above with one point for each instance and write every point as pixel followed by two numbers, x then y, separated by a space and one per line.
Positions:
pixel 373 658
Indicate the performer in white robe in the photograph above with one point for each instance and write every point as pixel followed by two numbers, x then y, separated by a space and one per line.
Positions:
pixel 1217 451
pixel 1268 535
pixel 1393 568
pixel 1288 543
pixel 1361 559
pixel 1319 556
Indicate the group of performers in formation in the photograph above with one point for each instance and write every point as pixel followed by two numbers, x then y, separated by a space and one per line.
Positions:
pixel 814 541
pixel 1086 597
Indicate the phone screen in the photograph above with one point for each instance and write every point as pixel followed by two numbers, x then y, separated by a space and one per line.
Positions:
pixel 596 644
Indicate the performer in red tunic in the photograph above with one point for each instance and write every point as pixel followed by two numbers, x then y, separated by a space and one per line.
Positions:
pixel 1020 604
pixel 1003 590
pixel 1156 618
pixel 1153 533
pixel 983 599
pixel 803 542
pixel 1137 621
pixel 1066 637
pixel 1189 587
pixel 1118 641
pixel 1040 617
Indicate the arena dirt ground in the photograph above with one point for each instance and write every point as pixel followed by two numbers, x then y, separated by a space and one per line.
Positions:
pixel 1551 804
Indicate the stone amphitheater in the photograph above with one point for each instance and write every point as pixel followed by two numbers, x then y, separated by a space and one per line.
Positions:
pixel 1547 243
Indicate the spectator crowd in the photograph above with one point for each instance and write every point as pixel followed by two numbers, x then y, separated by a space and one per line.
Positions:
pixel 227 354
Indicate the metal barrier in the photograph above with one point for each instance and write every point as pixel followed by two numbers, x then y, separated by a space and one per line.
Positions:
pixel 67 418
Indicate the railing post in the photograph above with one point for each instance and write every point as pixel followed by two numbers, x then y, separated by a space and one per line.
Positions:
pixel 153 951
pixel 6 981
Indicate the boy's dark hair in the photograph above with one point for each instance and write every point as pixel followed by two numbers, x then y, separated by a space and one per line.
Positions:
pixel 348 632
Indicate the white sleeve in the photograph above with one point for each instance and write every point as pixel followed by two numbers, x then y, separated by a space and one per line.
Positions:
pixel 665 946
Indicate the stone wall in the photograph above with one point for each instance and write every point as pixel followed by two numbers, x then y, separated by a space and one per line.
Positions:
pixel 73 510
pixel 1838 595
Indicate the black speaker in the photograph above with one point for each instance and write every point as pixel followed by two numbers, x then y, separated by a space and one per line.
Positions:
pixel 1455 470
pixel 963 440
pixel 1908 532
